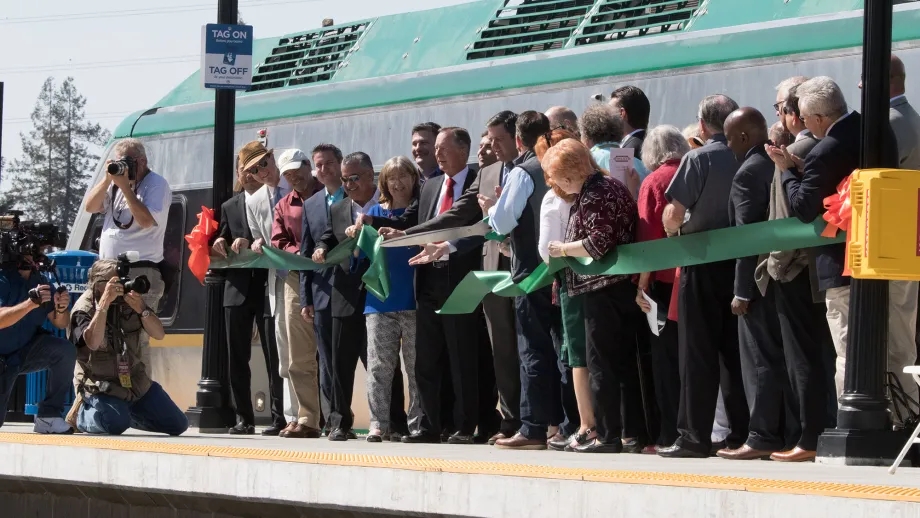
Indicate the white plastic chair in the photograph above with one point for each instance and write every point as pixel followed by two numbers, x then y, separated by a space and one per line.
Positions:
pixel 914 371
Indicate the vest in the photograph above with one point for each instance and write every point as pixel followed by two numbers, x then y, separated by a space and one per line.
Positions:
pixel 97 371
pixel 525 236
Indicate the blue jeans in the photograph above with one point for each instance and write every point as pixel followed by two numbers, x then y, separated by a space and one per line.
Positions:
pixel 45 351
pixel 155 412
pixel 537 322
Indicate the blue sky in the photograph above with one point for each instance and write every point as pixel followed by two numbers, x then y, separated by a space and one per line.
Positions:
pixel 125 55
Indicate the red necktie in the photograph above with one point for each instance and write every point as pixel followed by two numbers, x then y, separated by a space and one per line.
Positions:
pixel 448 200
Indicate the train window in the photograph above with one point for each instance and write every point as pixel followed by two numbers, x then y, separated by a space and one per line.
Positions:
pixel 94 231
pixel 174 258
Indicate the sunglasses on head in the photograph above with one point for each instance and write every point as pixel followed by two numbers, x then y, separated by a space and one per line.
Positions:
pixel 351 179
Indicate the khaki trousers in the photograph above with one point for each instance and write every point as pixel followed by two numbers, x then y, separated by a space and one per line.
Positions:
pixel 902 326
pixel 302 366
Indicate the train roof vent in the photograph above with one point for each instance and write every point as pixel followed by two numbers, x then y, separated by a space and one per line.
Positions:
pixel 523 26
pixel 309 57
pixel 614 20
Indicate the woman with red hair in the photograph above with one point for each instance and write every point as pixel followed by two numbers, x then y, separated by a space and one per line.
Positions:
pixel 603 216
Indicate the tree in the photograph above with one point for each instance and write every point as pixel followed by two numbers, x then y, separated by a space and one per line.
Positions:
pixel 49 180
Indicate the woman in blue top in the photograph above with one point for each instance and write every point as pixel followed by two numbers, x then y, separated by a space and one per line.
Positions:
pixel 391 323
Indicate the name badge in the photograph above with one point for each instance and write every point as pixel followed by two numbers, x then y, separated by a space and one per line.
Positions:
pixel 124 371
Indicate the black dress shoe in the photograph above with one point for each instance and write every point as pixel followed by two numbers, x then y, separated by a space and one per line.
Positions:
pixel 242 429
pixel 394 436
pixel 351 435
pixel 422 438
pixel 459 438
pixel 339 435
pixel 716 446
pixel 274 430
pixel 633 446
pixel 679 452
pixel 596 446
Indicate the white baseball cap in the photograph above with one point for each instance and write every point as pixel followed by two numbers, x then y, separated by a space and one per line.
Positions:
pixel 291 159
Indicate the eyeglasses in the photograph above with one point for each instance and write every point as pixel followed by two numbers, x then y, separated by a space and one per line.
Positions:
pixel 776 106
pixel 261 165
pixel 355 178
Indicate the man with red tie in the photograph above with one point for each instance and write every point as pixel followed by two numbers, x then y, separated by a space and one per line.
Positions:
pixel 444 339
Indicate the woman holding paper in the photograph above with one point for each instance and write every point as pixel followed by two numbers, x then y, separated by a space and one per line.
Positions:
pixel 603 216
pixel 662 150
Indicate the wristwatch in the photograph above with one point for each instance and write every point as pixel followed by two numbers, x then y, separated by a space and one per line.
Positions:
pixel 146 313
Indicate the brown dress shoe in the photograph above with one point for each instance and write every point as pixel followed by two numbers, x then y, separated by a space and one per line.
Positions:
pixel 497 437
pixel 794 455
pixel 745 452
pixel 300 431
pixel 519 442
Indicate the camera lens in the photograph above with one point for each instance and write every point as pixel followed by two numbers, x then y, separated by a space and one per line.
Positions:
pixel 139 285
pixel 117 168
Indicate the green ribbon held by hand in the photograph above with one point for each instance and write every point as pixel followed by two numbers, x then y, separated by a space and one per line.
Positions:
pixel 648 256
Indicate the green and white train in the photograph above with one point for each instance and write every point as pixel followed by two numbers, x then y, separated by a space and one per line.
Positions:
pixel 362 85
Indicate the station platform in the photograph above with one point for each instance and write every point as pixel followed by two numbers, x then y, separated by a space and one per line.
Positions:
pixel 221 476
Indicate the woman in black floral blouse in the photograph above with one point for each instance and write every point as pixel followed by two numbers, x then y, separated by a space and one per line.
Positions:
pixel 603 216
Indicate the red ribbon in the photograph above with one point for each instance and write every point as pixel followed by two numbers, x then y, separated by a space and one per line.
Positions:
pixel 199 243
pixel 838 216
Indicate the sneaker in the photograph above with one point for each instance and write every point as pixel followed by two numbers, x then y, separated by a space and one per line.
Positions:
pixel 52 425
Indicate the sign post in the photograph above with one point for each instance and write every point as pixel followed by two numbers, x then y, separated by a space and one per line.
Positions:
pixel 226 66
pixel 226 56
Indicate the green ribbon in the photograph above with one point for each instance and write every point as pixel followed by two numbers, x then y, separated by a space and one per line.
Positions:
pixel 648 256
pixel 375 278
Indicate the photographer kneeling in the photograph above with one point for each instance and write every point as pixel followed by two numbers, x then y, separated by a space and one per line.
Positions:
pixel 25 303
pixel 114 391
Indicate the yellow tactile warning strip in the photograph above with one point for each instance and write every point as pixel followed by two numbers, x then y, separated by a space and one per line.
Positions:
pixel 756 485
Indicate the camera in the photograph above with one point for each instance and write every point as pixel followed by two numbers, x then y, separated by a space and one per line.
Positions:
pixel 26 238
pixel 127 165
pixel 139 284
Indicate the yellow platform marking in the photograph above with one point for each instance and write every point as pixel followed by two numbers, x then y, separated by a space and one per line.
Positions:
pixel 755 485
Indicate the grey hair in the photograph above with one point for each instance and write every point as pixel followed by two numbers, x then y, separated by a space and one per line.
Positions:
pixel 663 143
pixel 360 158
pixel 130 145
pixel 821 96
pixel 714 109
pixel 599 123
pixel 788 84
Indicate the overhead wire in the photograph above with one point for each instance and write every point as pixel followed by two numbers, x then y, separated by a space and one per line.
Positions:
pixel 68 17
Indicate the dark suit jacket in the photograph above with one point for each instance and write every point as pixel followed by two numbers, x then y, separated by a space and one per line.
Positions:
pixel 829 162
pixel 635 142
pixel 749 202
pixel 241 282
pixel 315 286
pixel 468 256
pixel 348 292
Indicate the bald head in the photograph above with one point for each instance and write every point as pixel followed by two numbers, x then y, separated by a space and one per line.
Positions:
pixel 898 76
pixel 562 117
pixel 745 128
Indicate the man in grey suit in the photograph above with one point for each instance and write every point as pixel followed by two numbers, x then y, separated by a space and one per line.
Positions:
pixel 903 295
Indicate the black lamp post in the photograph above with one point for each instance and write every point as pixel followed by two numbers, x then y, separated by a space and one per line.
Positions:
pixel 864 435
pixel 212 412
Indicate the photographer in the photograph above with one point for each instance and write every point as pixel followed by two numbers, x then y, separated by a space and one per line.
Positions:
pixel 114 392
pixel 135 203
pixel 26 300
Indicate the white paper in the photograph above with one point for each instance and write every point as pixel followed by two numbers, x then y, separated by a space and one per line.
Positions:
pixel 621 161
pixel 651 316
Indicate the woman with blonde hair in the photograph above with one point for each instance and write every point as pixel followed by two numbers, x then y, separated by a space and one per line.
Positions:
pixel 391 323
pixel 603 216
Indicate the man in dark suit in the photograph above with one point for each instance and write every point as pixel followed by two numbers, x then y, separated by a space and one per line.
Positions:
pixel 762 365
pixel 634 108
pixel 499 311
pixel 349 331
pixel 244 302
pixel 444 339
pixel 824 111
pixel 316 286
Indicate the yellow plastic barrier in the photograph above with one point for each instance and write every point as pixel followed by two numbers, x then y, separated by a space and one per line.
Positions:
pixel 884 237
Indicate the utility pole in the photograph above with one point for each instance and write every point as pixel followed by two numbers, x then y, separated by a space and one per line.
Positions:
pixel 1 128
pixel 864 434
pixel 212 412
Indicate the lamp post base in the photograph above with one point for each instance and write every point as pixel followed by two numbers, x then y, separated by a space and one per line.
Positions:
pixel 862 447
pixel 209 419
